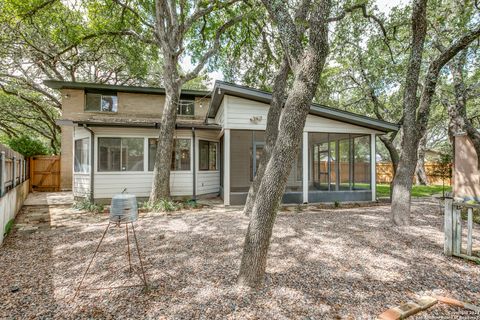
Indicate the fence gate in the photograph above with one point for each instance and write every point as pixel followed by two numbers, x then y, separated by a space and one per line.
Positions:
pixel 45 173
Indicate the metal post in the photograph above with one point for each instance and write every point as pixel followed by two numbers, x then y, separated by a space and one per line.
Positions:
pixel 14 175
pixel 90 263
pixel 448 227
pixel 139 257
pixel 3 173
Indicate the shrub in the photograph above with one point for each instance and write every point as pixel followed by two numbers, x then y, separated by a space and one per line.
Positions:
pixel 9 226
pixel 163 205
pixel 167 205
pixel 86 204
pixel 28 146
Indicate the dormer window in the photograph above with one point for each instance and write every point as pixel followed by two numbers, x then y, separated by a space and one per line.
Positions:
pixel 101 102
pixel 186 108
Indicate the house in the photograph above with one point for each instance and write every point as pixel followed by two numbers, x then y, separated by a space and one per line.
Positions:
pixel 466 175
pixel 219 138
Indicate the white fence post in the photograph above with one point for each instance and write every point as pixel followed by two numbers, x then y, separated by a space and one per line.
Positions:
pixel 469 231
pixel 457 236
pixel 3 173
pixel 448 219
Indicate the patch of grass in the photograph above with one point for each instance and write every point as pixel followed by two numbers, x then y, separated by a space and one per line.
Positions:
pixel 476 215
pixel 87 205
pixel 383 190
pixel 8 227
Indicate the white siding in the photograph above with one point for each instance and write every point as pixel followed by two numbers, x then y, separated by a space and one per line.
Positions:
pixel 208 182
pixel 220 117
pixel 240 112
pixel 106 184
pixel 139 183
pixel 318 124
pixel 81 184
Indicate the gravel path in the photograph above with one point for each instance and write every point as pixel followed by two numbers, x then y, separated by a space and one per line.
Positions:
pixel 346 263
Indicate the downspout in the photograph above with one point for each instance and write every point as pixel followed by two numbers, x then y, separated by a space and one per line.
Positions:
pixel 194 197
pixel 92 155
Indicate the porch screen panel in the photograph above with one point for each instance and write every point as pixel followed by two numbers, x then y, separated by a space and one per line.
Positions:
pixel 109 150
pixel 361 162
pixel 342 153
pixel 246 149
pixel 318 154
pixel 181 155
pixel 132 154
pixel 82 156
pixel 241 152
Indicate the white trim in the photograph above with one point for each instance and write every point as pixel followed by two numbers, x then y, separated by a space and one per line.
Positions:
pixel 225 124
pixel 226 168
pixel 305 167
pixel 373 172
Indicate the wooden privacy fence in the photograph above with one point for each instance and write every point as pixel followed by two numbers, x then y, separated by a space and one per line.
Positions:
pixel 13 169
pixel 45 173
pixel 432 169
pixel 453 245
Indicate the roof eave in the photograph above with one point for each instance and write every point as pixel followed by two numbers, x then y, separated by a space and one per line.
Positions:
pixel 55 84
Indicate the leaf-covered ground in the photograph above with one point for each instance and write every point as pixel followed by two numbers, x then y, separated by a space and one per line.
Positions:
pixel 347 263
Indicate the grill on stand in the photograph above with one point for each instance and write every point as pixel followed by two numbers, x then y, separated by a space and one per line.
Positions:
pixel 123 212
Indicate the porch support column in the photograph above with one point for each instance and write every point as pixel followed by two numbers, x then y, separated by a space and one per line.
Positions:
pixel 226 167
pixel 373 162
pixel 305 167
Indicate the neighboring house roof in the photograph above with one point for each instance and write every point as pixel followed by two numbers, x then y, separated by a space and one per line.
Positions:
pixel 224 88
pixel 221 88
pixel 54 84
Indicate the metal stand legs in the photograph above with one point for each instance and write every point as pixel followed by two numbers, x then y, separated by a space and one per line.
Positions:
pixel 142 277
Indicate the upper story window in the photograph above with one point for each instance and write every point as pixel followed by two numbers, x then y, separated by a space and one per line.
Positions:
pixel 186 108
pixel 101 102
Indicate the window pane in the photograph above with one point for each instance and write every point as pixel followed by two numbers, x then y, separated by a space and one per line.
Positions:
pixel 132 154
pixel 181 154
pixel 204 154
pixel 101 102
pixel 361 158
pixel 109 103
pixel 212 156
pixel 186 107
pixel 109 154
pixel 318 161
pixel 82 158
pixel 93 102
pixel 152 151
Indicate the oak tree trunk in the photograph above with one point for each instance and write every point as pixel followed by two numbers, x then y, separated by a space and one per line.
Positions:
pixel 163 158
pixel 272 186
pixel 402 182
pixel 420 173
pixel 271 132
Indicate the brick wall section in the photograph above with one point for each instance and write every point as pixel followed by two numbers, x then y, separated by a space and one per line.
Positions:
pixel 466 182
pixel 132 106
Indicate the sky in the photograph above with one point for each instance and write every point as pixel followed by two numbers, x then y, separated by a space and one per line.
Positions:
pixel 384 6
